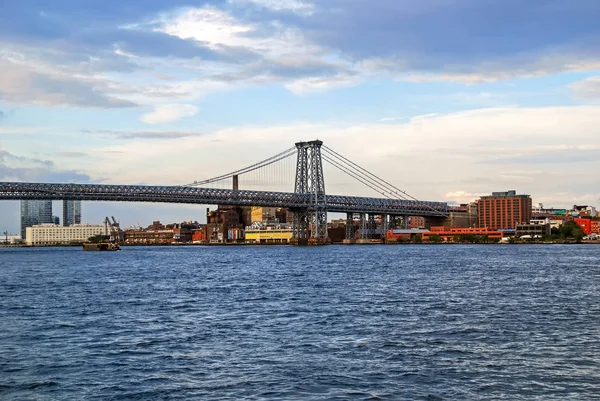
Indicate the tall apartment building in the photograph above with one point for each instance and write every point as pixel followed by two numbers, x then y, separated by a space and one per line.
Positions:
pixel 71 214
pixel 503 210
pixel 35 212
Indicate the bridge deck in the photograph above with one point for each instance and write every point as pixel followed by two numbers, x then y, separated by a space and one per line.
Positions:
pixel 212 196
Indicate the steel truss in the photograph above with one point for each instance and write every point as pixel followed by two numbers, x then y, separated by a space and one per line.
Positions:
pixel 310 223
pixel 212 196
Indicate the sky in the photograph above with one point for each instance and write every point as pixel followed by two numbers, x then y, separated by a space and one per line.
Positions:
pixel 446 99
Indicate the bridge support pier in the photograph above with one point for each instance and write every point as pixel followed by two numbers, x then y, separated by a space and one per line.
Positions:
pixel 310 224
pixel 350 232
pixel 385 224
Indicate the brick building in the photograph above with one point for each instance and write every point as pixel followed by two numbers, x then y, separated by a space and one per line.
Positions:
pixel 503 210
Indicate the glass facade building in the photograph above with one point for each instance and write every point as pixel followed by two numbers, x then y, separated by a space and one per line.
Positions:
pixel 71 213
pixel 35 212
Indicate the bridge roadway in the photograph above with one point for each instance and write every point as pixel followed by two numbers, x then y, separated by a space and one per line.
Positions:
pixel 212 196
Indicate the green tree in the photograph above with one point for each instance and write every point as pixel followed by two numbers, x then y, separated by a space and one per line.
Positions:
pixel 417 239
pixel 570 229
pixel 435 239
pixel 99 238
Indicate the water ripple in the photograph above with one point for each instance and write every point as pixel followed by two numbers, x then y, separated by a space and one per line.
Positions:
pixel 332 323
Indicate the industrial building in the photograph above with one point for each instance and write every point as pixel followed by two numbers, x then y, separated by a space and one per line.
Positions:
pixel 53 234
pixel 534 229
pixel 157 233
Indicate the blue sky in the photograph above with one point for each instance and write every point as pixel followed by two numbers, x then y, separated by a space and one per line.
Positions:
pixel 449 99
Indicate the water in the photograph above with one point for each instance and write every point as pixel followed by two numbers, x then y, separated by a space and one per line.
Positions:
pixel 355 322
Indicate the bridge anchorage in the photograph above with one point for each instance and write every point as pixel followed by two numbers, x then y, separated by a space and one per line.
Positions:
pixel 309 203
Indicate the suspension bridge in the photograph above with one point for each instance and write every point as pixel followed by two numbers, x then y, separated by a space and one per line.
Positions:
pixel 309 201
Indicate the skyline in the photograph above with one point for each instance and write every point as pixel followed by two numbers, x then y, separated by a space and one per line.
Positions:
pixel 447 100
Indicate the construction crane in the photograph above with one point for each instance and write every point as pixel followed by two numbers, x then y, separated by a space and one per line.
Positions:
pixel 112 229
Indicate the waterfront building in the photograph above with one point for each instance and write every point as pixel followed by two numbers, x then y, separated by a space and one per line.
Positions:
pixel 404 233
pixel 53 234
pixel 157 233
pixel 588 226
pixel 450 233
pixel 260 213
pixel 464 215
pixel 503 210
pixel 269 236
pixel 268 233
pixel 8 238
pixel 71 212
pixel 535 229
pixel 34 212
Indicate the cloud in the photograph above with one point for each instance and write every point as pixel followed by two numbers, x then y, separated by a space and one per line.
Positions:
pixel 293 6
pixel 322 84
pixel 1 114
pixel 20 84
pixel 7 130
pixel 561 154
pixel 169 112
pixel 587 89
pixel 144 134
pixel 22 168
pixel 71 154
pixel 429 156
pixel 91 56
pixel 460 196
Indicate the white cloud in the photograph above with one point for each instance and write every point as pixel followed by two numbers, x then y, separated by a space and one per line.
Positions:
pixel 462 196
pixel 294 6
pixel 321 84
pixel 169 112
pixel 217 28
pixel 7 130
pixel 587 89
pixel 506 69
pixel 437 157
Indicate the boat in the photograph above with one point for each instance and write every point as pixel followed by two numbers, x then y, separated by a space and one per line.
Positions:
pixel 101 246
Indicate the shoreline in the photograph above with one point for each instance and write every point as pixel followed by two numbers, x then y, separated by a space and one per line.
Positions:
pixel 334 243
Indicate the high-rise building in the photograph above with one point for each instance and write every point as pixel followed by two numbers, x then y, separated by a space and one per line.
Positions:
pixel 35 212
pixel 503 210
pixel 71 212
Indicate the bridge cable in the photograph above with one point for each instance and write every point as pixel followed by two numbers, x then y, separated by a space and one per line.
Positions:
pixel 364 171
pixel 364 176
pixel 353 175
pixel 273 159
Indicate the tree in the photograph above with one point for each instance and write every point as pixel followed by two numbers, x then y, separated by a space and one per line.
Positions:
pixel 578 234
pixel 417 239
pixel 99 238
pixel 435 239
pixel 570 229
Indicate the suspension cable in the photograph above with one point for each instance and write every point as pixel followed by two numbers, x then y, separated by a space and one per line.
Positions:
pixel 364 176
pixel 273 159
pixel 397 191
pixel 351 174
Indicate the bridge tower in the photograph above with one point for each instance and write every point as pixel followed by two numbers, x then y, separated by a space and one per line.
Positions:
pixel 310 224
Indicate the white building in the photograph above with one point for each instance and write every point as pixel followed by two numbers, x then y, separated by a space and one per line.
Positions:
pixel 51 234
pixel 8 238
